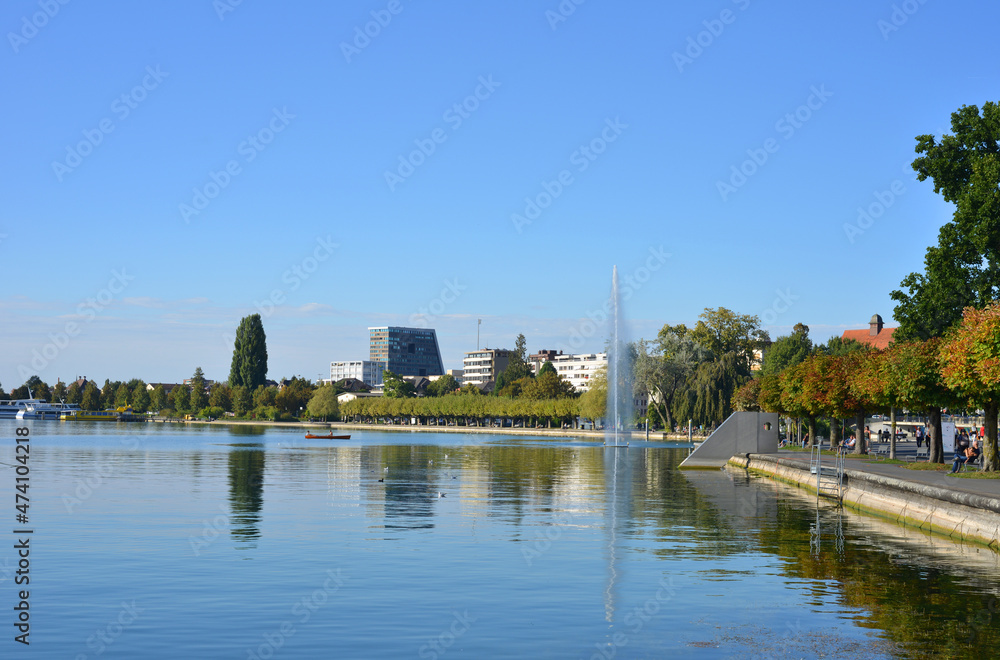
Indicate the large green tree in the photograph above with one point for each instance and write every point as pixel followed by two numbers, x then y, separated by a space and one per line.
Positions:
pixel 221 397
pixel 33 388
pixel 91 398
pixel 722 331
pixel 59 391
pixel 158 398
pixel 198 398
pixel 663 367
pixel 294 396
pixel 444 385
pixel 517 365
pixel 965 168
pixel 963 269
pixel 324 402
pixel 594 402
pixel 242 399
pixel 140 398
pixel 73 393
pixel 787 350
pixel 548 385
pixel 108 393
pixel 955 277
pixel 395 387
pixel 180 395
pixel 122 395
pixel 734 343
pixel 249 366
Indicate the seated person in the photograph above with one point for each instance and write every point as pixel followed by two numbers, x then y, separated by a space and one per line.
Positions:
pixel 850 443
pixel 966 455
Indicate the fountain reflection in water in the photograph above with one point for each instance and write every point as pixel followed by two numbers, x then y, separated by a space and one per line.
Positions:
pixel 618 419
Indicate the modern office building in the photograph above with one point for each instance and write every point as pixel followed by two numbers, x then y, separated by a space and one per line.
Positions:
pixel 480 367
pixel 368 372
pixel 406 351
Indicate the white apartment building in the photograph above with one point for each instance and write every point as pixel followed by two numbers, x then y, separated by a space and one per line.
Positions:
pixel 480 367
pixel 579 368
pixel 369 372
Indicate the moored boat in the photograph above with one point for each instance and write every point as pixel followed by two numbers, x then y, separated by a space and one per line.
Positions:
pixel 331 436
pixel 36 409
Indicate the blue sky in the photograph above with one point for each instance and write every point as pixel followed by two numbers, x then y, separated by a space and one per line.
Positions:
pixel 170 167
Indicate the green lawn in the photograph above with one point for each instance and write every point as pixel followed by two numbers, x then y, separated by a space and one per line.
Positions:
pixel 976 474
pixel 924 465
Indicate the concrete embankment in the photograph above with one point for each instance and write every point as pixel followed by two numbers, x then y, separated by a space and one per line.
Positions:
pixel 953 513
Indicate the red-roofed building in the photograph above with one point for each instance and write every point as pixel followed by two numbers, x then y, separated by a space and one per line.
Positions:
pixel 875 336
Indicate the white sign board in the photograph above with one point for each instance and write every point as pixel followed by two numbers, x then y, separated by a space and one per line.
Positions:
pixel 948 437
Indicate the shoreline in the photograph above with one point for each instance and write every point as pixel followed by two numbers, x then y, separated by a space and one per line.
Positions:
pixel 955 514
pixel 658 436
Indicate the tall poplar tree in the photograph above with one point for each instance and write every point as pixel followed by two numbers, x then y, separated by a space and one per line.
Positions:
pixel 249 367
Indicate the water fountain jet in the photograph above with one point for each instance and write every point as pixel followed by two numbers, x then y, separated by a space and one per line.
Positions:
pixel 618 418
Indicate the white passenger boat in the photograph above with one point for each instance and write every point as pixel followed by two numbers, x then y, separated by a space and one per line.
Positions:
pixel 35 409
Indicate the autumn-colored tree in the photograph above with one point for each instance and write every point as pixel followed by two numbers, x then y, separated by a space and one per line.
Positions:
pixel 792 381
pixel 747 397
pixel 970 365
pixel 857 369
pixel 769 396
pixel 913 370
pixel 824 388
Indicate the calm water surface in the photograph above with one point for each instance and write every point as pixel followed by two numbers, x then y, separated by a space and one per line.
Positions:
pixel 160 541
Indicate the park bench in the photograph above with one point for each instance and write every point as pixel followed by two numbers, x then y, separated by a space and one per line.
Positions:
pixel 976 464
pixel 880 449
pixel 924 453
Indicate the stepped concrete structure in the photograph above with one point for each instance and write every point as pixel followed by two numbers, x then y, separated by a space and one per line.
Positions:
pixel 742 433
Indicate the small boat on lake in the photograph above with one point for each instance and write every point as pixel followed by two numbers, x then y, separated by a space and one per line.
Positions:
pixel 331 436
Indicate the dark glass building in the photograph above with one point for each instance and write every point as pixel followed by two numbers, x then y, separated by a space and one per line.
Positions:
pixel 406 351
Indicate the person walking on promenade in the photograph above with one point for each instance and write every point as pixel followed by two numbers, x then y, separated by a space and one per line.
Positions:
pixel 919 433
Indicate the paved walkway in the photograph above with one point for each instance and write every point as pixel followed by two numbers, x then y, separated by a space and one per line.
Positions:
pixel 906 451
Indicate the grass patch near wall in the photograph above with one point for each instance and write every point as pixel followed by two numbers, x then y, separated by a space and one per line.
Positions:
pixel 976 475
pixel 933 467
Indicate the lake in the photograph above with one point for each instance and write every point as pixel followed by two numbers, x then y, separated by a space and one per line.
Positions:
pixel 168 541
